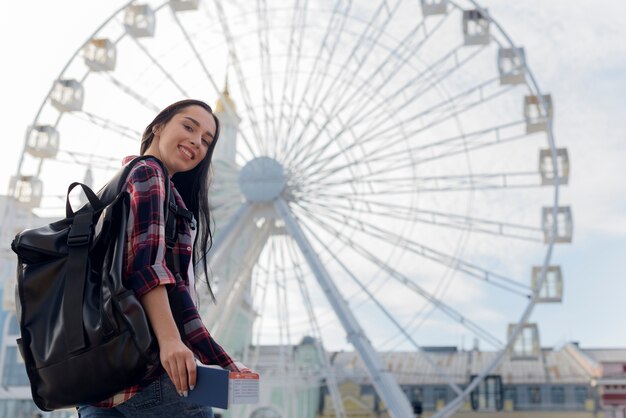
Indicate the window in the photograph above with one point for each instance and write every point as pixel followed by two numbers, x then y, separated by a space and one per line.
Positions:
pixel 510 394
pixel 526 343
pixel 441 393
pixel 413 393
pixel 534 395
pixel 488 394
pixel 580 394
pixel 557 395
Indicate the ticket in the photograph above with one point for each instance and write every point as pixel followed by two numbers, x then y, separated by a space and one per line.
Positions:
pixel 243 388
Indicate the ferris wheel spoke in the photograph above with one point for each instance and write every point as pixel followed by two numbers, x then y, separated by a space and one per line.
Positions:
pixel 274 274
pixel 260 306
pixel 434 151
pixel 371 229
pixel 401 328
pixel 291 69
pixel 329 372
pixel 224 209
pixel 267 91
pixel 437 72
pixel 226 188
pixel 107 124
pixel 379 131
pixel 158 65
pixel 451 183
pixel 300 176
pixel 433 75
pixel 443 219
pixel 285 287
pixel 383 10
pixel 391 139
pixel 87 160
pixel 338 17
pixel 213 83
pixel 282 288
pixel 445 108
pixel 316 78
pixel 131 93
pixel 402 90
pixel 245 94
pixel 410 284
pixel 520 178
pixel 453 110
pixel 403 50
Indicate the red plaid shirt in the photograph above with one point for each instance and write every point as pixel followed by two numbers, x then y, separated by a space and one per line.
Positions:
pixel 145 266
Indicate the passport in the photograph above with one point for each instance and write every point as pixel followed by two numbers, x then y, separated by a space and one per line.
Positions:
pixel 211 387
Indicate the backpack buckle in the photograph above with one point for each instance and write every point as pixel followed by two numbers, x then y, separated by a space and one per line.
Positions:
pixel 80 231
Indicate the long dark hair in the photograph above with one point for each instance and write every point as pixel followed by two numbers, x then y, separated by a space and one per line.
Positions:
pixel 193 185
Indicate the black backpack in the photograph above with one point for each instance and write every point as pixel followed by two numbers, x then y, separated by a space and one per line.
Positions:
pixel 85 337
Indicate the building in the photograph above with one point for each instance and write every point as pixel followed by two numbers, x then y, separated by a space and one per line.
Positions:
pixel 612 381
pixel 559 383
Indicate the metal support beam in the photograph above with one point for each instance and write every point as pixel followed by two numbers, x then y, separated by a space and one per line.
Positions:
pixel 382 379
pixel 231 294
pixel 218 255
pixel 225 238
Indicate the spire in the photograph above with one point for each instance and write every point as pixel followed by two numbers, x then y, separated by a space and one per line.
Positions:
pixel 225 97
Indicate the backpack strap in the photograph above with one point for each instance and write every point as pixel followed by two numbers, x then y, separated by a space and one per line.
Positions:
pixel 79 241
pixel 173 262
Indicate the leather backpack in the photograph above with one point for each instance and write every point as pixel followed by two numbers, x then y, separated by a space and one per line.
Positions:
pixel 84 336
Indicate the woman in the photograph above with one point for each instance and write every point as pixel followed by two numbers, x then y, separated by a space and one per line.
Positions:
pixel 183 137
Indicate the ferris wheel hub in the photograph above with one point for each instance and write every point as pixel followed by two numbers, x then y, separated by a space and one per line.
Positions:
pixel 262 180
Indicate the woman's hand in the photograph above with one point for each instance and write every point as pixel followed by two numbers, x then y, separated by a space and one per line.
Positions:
pixel 176 357
pixel 242 367
pixel 177 360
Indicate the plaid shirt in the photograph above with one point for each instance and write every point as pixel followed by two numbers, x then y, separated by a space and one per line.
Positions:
pixel 145 267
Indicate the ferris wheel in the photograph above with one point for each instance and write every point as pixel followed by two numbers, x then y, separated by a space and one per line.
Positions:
pixel 386 178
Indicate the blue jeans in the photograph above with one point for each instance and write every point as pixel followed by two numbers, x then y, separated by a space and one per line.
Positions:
pixel 158 399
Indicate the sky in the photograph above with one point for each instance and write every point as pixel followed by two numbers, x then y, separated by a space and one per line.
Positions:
pixel 577 54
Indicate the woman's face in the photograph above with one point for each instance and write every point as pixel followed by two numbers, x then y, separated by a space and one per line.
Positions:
pixel 183 142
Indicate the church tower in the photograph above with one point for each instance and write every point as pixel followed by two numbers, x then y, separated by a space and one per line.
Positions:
pixel 226 112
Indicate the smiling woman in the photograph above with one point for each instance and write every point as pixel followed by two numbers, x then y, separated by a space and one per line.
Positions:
pixel 182 137
pixel 185 139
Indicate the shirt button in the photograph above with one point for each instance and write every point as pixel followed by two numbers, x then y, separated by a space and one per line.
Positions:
pixel 188 248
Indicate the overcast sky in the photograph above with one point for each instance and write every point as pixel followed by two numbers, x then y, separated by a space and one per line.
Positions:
pixel 577 53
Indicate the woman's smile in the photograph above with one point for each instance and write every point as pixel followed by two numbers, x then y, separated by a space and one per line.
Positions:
pixel 187 152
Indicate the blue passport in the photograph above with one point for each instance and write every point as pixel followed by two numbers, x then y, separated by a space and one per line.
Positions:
pixel 211 387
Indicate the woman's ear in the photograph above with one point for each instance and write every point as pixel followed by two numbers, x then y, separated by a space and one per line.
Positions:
pixel 156 129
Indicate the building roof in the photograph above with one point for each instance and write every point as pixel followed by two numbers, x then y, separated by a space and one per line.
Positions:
pixel 431 367
pixel 607 355
pixel 225 98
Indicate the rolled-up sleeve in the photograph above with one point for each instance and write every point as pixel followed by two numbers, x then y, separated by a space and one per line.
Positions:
pixel 145 264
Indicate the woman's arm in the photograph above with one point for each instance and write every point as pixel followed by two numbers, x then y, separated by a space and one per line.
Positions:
pixel 147 272
pixel 176 358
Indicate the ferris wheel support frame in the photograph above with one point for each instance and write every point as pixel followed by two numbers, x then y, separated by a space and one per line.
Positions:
pixel 382 379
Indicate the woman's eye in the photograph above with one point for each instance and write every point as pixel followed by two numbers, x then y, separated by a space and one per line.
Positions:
pixel 205 142
pixel 189 128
